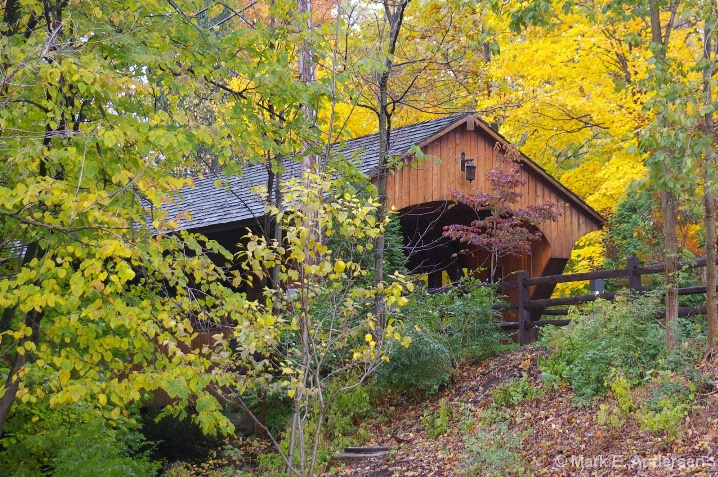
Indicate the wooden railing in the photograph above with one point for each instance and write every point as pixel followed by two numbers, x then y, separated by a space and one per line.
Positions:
pixel 633 272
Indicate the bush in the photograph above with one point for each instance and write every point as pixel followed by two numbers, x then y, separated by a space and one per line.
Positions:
pixel 623 334
pixel 437 425
pixel 425 365
pixel 515 391
pixel 494 452
pixel 445 329
pixel 73 441
pixel 670 400
pixel 348 410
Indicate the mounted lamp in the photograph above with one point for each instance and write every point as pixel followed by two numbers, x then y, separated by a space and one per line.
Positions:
pixel 470 170
pixel 468 166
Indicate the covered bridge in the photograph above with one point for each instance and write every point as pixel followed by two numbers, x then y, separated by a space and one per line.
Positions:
pixel 419 193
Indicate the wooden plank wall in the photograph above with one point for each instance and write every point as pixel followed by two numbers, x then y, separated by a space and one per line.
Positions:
pixel 426 181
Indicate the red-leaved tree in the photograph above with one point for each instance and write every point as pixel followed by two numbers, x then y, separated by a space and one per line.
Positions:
pixel 504 229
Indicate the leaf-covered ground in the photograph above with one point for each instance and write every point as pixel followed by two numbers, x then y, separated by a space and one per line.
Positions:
pixel 547 434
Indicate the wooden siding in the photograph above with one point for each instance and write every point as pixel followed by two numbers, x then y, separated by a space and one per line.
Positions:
pixel 429 180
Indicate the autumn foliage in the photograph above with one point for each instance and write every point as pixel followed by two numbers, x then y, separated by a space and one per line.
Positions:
pixel 502 228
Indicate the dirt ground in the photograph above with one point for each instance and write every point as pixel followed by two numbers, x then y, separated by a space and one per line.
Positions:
pixel 558 437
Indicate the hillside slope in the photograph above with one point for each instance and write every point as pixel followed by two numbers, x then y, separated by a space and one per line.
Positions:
pixel 500 418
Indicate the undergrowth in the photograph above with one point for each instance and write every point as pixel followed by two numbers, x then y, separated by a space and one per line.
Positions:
pixel 618 349
pixel 493 452
pixel 603 336
pixel 446 329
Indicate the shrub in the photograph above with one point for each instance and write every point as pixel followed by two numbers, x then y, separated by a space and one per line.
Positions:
pixel 463 317
pixel 515 391
pixel 670 400
pixel 620 389
pixel 437 425
pixel 660 404
pixel 73 441
pixel 425 365
pixel 445 329
pixel 271 464
pixel 349 408
pixel 494 452
pixel 623 334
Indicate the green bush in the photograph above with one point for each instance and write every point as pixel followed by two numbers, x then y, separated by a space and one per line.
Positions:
pixel 348 410
pixel 73 441
pixel 669 403
pixel 620 390
pixel 623 334
pixel 437 425
pixel 445 329
pixel 494 452
pixel 270 464
pixel 463 318
pixel 515 391
pixel 425 365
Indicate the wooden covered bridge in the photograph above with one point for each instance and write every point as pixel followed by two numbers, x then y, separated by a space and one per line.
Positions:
pixel 418 191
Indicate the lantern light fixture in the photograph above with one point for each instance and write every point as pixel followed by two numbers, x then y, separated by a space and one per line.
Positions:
pixel 463 161
pixel 470 170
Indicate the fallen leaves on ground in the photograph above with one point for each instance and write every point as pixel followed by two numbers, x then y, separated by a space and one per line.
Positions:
pixel 557 437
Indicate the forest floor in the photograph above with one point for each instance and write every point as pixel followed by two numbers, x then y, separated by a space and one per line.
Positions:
pixel 539 431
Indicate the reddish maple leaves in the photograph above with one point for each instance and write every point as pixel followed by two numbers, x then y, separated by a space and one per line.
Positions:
pixel 503 228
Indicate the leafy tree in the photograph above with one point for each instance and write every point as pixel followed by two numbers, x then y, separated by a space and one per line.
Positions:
pixel 667 141
pixel 502 228
pixel 673 99
pixel 327 317
pixel 391 59
pixel 567 89
pixel 95 136
pixel 73 440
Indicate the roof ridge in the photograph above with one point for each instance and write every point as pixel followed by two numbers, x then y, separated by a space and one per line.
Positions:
pixel 399 128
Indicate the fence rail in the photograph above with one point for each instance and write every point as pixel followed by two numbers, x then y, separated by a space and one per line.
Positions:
pixel 633 272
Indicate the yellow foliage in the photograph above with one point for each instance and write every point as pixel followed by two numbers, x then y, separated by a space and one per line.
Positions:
pixel 568 95
pixel 586 256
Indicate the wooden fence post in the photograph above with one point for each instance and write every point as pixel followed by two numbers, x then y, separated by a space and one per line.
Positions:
pixel 634 279
pixel 524 332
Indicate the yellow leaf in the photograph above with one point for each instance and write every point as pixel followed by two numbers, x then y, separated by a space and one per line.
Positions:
pixel 339 266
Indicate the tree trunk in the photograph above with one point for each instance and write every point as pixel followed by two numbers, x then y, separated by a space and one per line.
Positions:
pixel 306 69
pixel 669 201
pixel 307 75
pixel 277 269
pixel 669 205
pixel 711 312
pixel 381 190
pixel 12 383
pixel 709 199
pixel 395 18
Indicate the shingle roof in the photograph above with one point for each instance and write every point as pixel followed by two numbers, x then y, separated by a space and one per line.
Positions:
pixel 234 200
